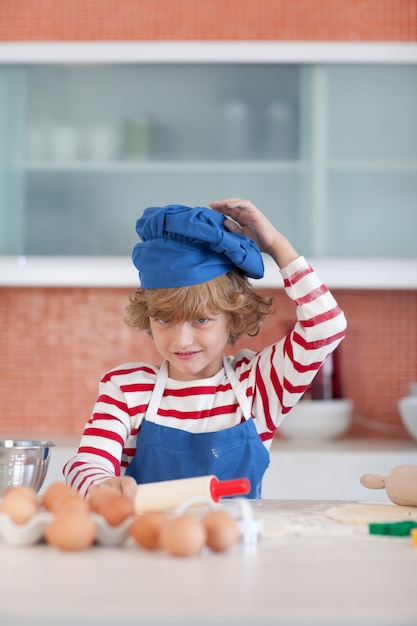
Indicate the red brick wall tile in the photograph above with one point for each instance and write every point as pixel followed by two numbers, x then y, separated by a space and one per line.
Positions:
pixel 138 20
pixel 55 343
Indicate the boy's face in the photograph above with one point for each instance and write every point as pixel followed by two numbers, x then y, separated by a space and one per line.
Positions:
pixel 193 349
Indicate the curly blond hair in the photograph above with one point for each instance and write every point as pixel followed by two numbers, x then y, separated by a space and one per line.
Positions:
pixel 229 293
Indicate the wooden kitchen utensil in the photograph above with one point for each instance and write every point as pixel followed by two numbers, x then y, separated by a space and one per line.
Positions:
pixel 400 484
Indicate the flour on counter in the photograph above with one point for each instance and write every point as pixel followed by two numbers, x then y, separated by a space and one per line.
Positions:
pixel 370 513
pixel 283 523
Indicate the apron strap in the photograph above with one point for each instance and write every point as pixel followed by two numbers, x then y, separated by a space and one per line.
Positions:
pixel 238 389
pixel 157 393
pixel 161 381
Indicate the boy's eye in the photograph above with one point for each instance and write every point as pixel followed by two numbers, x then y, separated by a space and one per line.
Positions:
pixel 201 320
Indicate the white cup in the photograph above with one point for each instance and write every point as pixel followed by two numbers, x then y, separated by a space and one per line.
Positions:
pixel 36 146
pixel 102 143
pixel 65 143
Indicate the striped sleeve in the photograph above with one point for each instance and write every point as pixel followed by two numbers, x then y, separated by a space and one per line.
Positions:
pixel 286 369
pixel 106 445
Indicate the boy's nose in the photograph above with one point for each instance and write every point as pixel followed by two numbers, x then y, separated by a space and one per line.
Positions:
pixel 183 335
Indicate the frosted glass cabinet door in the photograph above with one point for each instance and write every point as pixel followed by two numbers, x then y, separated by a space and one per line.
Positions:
pixel 12 172
pixel 371 163
pixel 104 142
pixel 328 152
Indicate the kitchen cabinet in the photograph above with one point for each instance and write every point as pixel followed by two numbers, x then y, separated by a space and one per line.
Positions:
pixel 328 150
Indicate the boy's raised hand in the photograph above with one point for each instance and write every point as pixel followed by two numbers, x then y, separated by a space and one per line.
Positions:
pixel 250 221
pixel 253 223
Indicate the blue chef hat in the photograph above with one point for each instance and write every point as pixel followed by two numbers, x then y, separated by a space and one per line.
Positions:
pixel 184 246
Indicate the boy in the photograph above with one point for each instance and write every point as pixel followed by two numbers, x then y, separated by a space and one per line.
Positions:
pixel 201 412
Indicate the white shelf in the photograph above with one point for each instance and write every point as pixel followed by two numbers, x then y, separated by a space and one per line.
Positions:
pixel 109 271
pixel 156 165
pixel 373 165
pixel 207 52
pixel 262 165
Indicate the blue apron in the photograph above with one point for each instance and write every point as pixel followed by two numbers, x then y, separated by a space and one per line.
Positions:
pixel 164 453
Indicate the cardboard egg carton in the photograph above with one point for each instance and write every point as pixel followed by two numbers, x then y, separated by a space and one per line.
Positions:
pixel 33 531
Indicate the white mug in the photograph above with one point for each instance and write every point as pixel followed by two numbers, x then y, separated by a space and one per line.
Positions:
pixel 102 143
pixel 64 143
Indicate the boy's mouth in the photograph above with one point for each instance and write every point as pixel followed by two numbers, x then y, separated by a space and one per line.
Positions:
pixel 186 355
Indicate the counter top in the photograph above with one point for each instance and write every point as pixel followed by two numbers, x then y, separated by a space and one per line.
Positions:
pixel 299 470
pixel 328 470
pixel 306 569
pixel 332 470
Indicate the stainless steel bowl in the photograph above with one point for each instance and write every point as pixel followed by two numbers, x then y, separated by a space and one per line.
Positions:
pixel 23 462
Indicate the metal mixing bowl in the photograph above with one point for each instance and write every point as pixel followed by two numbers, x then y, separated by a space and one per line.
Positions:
pixel 23 462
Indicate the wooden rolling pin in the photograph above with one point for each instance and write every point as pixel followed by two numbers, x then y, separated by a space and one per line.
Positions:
pixel 400 484
pixel 169 494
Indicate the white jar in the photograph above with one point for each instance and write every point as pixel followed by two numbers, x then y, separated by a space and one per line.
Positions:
pixel 102 143
pixel 65 143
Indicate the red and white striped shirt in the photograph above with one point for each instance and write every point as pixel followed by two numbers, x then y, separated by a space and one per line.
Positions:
pixel 274 379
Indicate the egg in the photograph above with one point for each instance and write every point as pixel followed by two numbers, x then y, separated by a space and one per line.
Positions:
pixel 147 529
pixel 183 536
pixel 99 497
pixel 73 502
pixel 221 529
pixel 20 503
pixel 53 493
pixel 117 509
pixel 72 530
pixel 62 498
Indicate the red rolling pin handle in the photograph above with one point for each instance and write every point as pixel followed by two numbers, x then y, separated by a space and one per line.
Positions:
pixel 226 488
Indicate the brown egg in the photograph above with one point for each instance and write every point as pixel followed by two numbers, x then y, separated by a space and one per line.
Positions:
pixel 60 497
pixel 222 530
pixel 183 536
pixel 100 497
pixel 71 531
pixel 20 503
pixel 53 492
pixel 117 509
pixel 147 529
pixel 70 502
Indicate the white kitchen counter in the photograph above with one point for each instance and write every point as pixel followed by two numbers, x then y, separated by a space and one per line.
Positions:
pixel 306 570
pixel 302 471
pixel 332 470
